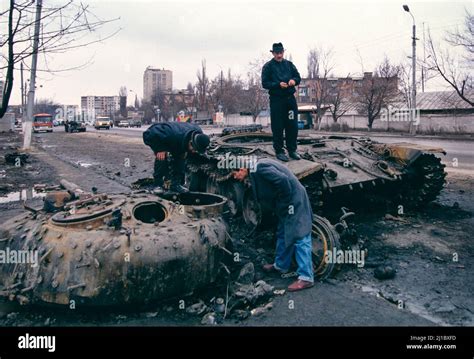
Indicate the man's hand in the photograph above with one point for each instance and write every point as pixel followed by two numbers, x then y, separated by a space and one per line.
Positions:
pixel 291 83
pixel 161 156
pixel 283 85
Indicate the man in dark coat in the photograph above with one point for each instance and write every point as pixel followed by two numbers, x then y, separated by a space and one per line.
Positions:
pixel 279 77
pixel 171 142
pixel 276 187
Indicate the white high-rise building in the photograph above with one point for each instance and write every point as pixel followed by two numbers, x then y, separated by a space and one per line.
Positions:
pixel 100 105
pixel 156 79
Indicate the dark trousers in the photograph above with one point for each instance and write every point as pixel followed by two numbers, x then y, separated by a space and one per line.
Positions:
pixel 171 168
pixel 284 117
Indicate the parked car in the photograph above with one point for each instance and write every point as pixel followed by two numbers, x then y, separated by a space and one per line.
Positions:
pixel 102 122
pixel 42 122
pixel 123 123
pixel 74 126
pixel 134 122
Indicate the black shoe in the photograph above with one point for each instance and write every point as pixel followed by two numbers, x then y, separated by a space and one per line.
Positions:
pixel 294 155
pixel 177 188
pixel 282 157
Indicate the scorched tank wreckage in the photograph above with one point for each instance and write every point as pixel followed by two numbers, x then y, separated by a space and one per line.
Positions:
pixel 102 249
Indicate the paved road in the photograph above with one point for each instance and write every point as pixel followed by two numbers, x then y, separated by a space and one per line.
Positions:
pixel 460 150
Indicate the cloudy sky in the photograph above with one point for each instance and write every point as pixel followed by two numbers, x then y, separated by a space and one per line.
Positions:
pixel 230 34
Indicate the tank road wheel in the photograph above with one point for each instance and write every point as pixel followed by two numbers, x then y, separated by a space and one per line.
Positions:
pixel 325 238
pixel 251 210
pixel 424 181
pixel 234 192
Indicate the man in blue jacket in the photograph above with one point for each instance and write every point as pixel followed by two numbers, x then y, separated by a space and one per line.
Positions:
pixel 171 142
pixel 279 77
pixel 276 187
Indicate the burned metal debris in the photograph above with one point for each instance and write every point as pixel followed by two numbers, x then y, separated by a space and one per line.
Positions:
pixel 114 249
pixel 337 171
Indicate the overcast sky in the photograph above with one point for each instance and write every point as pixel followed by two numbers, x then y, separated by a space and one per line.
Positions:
pixel 229 34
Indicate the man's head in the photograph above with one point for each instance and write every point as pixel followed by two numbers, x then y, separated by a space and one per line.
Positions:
pixel 199 143
pixel 241 174
pixel 278 51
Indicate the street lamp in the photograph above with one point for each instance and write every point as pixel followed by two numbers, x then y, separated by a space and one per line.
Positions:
pixel 413 61
pixel 220 93
pixel 157 114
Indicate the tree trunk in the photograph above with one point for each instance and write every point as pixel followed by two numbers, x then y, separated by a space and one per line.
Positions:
pixel 370 123
pixel 8 85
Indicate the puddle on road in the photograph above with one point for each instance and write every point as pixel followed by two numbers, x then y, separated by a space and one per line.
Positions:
pixel 84 164
pixel 25 194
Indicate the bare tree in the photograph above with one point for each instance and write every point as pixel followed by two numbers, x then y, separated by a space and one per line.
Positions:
pixel 190 87
pixel 123 92
pixel 8 85
pixel 377 91
pixel 464 37
pixel 257 98
pixel 320 65
pixel 227 92
pixel 313 64
pixel 202 87
pixel 137 103
pixel 163 101
pixel 148 111
pixel 456 68
pixel 64 27
pixel 337 100
pixel 406 83
pixel 46 106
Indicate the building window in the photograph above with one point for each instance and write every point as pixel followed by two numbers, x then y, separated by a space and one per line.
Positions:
pixel 302 91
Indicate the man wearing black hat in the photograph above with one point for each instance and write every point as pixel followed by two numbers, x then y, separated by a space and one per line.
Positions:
pixel 173 141
pixel 279 77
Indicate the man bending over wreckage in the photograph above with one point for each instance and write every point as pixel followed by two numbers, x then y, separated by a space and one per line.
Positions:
pixel 171 142
pixel 276 187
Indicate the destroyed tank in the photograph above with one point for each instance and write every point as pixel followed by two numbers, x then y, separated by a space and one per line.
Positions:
pixel 98 249
pixel 339 173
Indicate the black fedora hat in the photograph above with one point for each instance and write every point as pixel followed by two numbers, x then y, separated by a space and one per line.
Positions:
pixel 277 47
pixel 200 142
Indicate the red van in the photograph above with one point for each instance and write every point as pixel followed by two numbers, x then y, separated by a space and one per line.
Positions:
pixel 42 122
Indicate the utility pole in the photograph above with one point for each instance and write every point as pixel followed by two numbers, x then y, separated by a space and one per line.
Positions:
pixel 31 92
pixel 413 88
pixel 22 92
pixel 220 95
pixel 413 66
pixel 423 75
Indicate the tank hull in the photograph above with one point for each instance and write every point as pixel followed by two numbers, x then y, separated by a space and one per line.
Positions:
pixel 113 250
